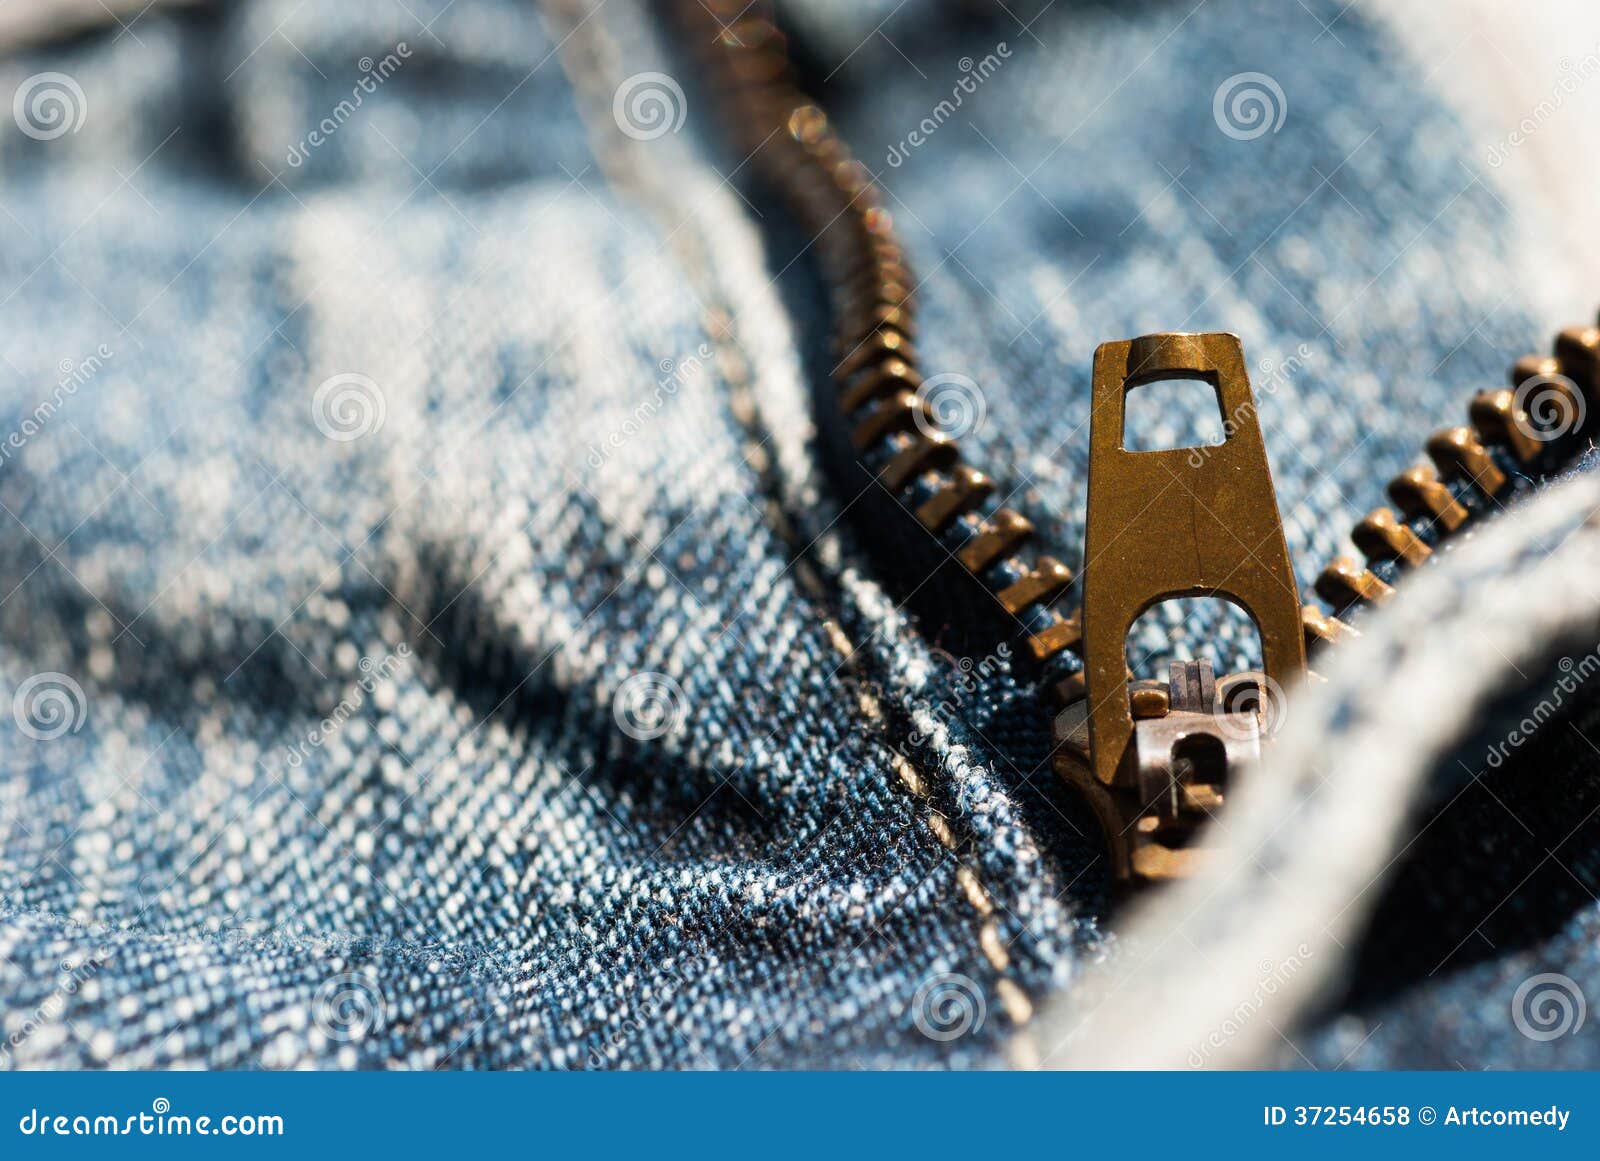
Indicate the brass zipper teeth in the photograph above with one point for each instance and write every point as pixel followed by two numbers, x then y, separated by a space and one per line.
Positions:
pixel 893 430
pixel 894 435
pixel 1469 470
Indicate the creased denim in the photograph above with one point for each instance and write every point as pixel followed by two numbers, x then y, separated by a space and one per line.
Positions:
pixel 476 668
pixel 350 782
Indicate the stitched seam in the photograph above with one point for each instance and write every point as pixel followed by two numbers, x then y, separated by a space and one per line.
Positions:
pixel 618 165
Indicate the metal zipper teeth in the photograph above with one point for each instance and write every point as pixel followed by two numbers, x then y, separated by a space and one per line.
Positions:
pixel 1469 470
pixel 894 433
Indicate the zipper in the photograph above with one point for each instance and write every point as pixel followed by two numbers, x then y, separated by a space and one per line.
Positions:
pixel 1151 759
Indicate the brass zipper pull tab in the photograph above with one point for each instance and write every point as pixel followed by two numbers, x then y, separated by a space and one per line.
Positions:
pixel 1180 522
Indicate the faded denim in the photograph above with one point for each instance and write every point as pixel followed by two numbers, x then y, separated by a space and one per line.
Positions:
pixel 465 661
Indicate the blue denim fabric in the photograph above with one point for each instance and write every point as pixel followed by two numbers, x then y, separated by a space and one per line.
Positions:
pixel 476 669
pixel 1363 842
pixel 1085 191
pixel 268 837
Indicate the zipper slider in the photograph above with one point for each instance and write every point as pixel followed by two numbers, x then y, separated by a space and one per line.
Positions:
pixel 1180 522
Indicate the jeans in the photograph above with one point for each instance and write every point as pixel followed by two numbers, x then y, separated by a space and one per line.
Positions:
pixel 431 638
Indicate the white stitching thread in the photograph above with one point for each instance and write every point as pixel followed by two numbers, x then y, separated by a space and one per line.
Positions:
pixel 590 46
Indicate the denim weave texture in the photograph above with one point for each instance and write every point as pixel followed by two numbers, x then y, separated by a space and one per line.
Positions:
pixel 429 637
